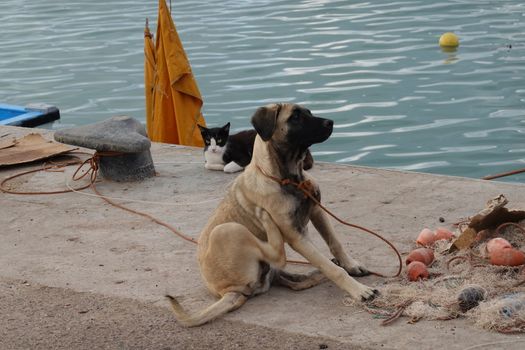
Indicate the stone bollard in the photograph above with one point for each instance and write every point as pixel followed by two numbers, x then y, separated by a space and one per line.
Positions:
pixel 122 144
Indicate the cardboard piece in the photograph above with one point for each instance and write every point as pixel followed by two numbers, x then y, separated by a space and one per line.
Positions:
pixel 493 215
pixel 6 143
pixel 30 148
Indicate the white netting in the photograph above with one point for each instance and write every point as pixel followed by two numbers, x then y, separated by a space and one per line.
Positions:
pixel 501 288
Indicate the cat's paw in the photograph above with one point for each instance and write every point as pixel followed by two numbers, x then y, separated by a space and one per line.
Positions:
pixel 232 167
pixel 210 166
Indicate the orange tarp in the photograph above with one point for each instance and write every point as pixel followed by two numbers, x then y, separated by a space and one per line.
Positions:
pixel 173 100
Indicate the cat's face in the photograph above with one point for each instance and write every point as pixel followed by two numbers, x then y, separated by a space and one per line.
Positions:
pixel 215 138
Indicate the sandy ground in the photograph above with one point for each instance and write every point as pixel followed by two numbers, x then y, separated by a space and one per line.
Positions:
pixel 40 317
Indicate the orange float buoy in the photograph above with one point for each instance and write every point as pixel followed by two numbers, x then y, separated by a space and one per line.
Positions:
pixel 424 255
pixel 507 257
pixel 417 270
pixel 497 243
pixel 443 233
pixel 426 237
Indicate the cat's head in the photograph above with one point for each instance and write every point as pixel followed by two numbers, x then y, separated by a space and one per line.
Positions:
pixel 215 138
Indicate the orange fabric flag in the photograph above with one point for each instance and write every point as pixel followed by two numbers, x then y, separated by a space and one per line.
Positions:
pixel 176 99
pixel 149 76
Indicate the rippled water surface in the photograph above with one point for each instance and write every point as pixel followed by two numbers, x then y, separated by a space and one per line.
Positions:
pixel 374 67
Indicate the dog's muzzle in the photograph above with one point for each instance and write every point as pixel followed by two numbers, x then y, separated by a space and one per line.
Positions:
pixel 320 130
pixel 328 124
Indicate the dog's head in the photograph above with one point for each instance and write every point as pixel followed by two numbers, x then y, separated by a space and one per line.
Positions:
pixel 291 125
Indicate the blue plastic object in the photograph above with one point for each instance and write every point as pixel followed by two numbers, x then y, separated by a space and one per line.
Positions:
pixel 29 116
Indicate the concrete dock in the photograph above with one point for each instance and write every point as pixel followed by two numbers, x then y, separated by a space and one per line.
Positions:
pixel 78 273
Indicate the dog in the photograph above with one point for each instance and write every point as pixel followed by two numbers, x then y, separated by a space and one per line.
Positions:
pixel 241 249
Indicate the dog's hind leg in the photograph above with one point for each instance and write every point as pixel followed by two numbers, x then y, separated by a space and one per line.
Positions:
pixel 235 265
pixel 229 302
pixel 298 281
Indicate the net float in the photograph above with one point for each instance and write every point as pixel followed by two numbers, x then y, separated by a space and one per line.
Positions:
pixel 417 270
pixel 497 243
pixel 443 233
pixel 470 297
pixel 426 237
pixel 507 257
pixel 424 255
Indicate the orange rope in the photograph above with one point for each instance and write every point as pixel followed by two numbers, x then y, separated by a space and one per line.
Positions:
pixel 92 171
pixel 306 188
pixel 513 224
pixel 513 172
pixel 146 215
pixel 44 168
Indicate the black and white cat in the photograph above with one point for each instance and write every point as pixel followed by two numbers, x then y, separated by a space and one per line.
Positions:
pixel 231 153
pixel 225 152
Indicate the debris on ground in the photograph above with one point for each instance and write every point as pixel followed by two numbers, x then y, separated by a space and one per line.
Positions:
pixel 478 273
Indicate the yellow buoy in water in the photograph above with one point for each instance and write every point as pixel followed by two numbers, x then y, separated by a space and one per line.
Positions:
pixel 449 40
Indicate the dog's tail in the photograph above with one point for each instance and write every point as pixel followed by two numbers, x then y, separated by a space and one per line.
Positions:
pixel 229 302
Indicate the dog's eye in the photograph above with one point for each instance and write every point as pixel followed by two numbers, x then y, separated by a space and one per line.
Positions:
pixel 295 117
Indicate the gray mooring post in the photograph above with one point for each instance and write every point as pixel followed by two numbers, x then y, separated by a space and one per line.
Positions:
pixel 122 144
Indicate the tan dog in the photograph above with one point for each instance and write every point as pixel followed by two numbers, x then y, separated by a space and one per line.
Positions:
pixel 241 249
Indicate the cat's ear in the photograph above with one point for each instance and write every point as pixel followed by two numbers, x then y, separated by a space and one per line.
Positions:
pixel 202 129
pixel 265 120
pixel 226 128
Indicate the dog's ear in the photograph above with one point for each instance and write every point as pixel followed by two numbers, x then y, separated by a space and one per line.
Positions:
pixel 265 120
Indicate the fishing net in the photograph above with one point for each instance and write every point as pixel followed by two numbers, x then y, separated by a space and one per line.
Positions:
pixel 462 283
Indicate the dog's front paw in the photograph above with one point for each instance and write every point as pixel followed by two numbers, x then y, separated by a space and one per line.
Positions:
pixel 353 268
pixel 365 293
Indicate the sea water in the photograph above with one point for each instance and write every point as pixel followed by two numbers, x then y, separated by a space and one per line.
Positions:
pixel 375 67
